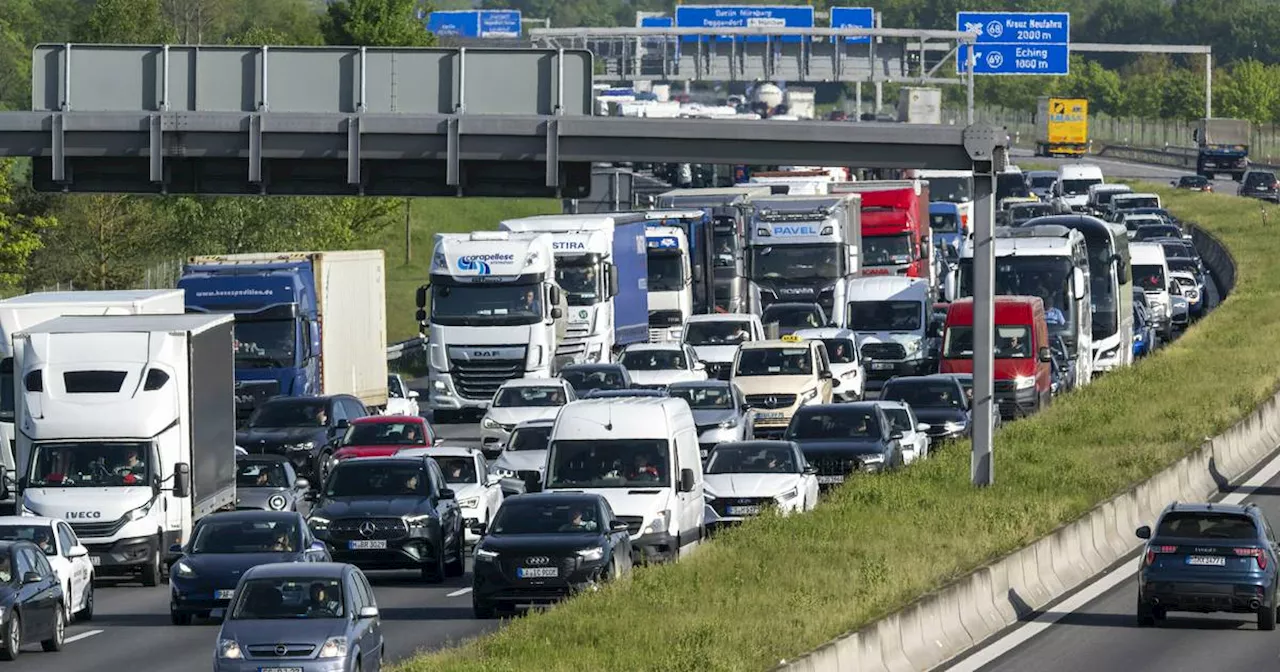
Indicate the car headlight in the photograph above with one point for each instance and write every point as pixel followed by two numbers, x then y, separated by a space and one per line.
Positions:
pixel 26 510
pixel 953 427
pixel 808 394
pixel 228 648
pixel 660 524
pixel 911 347
pixel 417 520
pixel 1024 382
pixel 485 555
pixel 708 497
pixel 182 569
pixel 1109 353
pixel 334 647
pixel 277 502
pixel 140 512
pixel 591 554
pixel 502 472
pixel 488 423
pixel 789 495
pixel 729 424
pixel 318 523
pixel 300 447
pixel 469 503
pixel 872 462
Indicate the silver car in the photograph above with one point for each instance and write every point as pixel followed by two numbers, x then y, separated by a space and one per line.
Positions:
pixel 719 411
pixel 268 482
pixel 524 455
pixel 306 616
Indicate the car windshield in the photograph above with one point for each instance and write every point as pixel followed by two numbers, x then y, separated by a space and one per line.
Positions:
pixel 546 517
pixel 385 434
pixel 666 271
pixel 458 469
pixel 486 304
pixel 521 396
pixel 594 379
pixel 845 423
pixel 1157 231
pixel 923 394
pixel 245 536
pixel 40 535
pixel 1008 185
pixel 729 458
pixel 254 474
pixel 951 189
pixel 773 362
pixel 1150 277
pixel 529 438
pixel 1183 265
pixel 619 463
pixel 288 598
pixel 580 282
pixel 1043 181
pixel 944 222
pixel 1136 201
pixel 884 315
pixel 798 262
pixel 654 360
pixel 840 350
pixel 793 317
pixel 1207 525
pixel 1078 187
pixel 91 464
pixel 357 479
pixel 704 398
pixel 1012 342
pixel 1193 181
pixel 264 344
pixel 719 332
pixel 290 413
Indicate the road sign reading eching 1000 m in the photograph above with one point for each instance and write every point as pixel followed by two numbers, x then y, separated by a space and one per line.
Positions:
pixel 1016 43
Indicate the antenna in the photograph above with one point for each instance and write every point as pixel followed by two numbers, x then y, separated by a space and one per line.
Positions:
pixel 609 424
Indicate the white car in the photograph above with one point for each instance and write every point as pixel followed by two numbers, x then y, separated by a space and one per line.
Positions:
pixel 845 357
pixel 742 478
pixel 62 548
pixel 466 473
pixel 1132 222
pixel 517 401
pixel 526 451
pixel 915 437
pixel 400 399
pixel 657 365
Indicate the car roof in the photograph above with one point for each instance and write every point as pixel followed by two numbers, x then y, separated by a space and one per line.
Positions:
pixel 263 458
pixel 711 382
pixel 593 366
pixel 534 382
pixel 823 333
pixel 721 317
pixel 256 514
pixel 777 344
pixel 28 520
pixel 567 497
pixel 385 419
pixel 933 377
pixel 843 406
pixel 442 451
pixel 756 443
pixel 389 459
pixel 1204 507
pixel 670 345
pixel 297 570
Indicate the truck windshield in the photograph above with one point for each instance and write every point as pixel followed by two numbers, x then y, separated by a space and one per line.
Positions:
pixel 1078 187
pixel 885 315
pixel 6 390
pixel 886 250
pixel 1149 278
pixel 951 189
pixel 666 272
pixel 724 233
pixel 486 305
pixel 580 282
pixel 265 344
pixel 90 464
pixel 944 222
pixel 1046 277
pixel 773 362
pixel 822 261
pixel 625 463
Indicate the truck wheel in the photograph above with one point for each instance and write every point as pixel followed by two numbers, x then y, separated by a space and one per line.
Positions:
pixel 151 574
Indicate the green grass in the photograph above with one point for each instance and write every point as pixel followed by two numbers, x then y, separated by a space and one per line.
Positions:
pixel 428 217
pixel 776 588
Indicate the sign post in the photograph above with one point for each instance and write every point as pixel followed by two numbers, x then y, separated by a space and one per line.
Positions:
pixel 1016 43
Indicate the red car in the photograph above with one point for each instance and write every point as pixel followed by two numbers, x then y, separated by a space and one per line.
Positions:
pixel 383 435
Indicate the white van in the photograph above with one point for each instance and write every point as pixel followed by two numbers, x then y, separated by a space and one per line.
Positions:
pixel 890 316
pixel 641 455
pixel 1074 180
pixel 1151 273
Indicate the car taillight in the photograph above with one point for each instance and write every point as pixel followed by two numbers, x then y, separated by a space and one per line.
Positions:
pixel 1255 553
pixel 1153 550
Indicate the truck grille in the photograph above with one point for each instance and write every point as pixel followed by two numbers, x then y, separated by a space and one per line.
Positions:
pixel 771 400
pixel 884 351
pixel 1003 386
pixel 481 379
pixel 383 528
pixel 98 530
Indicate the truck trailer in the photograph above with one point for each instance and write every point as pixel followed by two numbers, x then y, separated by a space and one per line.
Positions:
pixel 1062 126
pixel 1222 146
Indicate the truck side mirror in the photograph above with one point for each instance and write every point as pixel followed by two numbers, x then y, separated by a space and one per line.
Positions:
pixel 1078 288
pixel 686 480
pixel 556 313
pixel 613 280
pixel 182 480
pixel 1046 355
pixel 420 298
pixel 555 296
pixel 420 316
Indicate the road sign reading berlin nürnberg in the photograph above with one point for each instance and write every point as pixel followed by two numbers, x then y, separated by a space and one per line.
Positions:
pixel 1016 43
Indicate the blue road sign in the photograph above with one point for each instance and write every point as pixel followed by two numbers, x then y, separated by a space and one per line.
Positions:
pixel 1017 43
pixel 476 23
pixel 728 16
pixel 853 17
pixel 500 23
pixel 658 22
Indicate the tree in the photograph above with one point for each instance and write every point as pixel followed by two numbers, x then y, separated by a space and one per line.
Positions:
pixel 271 224
pixel 195 21
pixel 377 23
pixel 20 235
pixel 101 241
pixel 126 22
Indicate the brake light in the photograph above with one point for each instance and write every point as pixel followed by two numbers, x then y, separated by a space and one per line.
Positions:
pixel 1256 553
pixel 1153 550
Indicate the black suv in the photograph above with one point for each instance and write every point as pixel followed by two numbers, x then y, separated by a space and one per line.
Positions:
pixel 390 513
pixel 1206 558
pixel 1259 184
pixel 306 430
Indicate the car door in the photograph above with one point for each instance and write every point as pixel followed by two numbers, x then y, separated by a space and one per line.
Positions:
pixel 371 638
pixel 492 490
pixel 80 569
pixel 808 481
pixel 338 422
pixel 37 599
pixel 619 541
pixel 446 509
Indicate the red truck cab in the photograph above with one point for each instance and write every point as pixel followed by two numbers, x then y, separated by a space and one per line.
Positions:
pixel 896 235
pixel 1023 375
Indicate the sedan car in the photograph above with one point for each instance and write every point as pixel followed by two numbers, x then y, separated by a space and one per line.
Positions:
pixel 268 482
pixel 517 401
pixel 585 377
pixel 544 547
pixel 1193 183
pixel 31 600
pixel 939 400
pixel 719 411
pixel 657 365
pixel 524 458
pixel 400 399
pixel 383 435
pixel 743 478
pixel 479 493
pixel 840 440
pixel 69 559
pixel 225 545
pixel 915 434
pixel 326 612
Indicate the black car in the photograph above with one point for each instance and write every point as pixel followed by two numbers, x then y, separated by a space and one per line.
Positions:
pixel 543 547
pixel 30 600
pixel 1193 183
pixel 939 400
pixel 223 547
pixel 390 513
pixel 586 377
pixel 1206 558
pixel 792 317
pixel 1259 184
pixel 1154 231
pixel 841 439
pixel 306 430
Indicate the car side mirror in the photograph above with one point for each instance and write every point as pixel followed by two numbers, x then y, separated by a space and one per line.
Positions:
pixel 318 547
pixel 492 479
pixel 923 427
pixel 479 529
pixel 699 366
pixel 413 394
pixel 32 577
pixel 342 423
pixel 1143 532
pixel 79 551
pixel 810 470
pixel 302 484
pixel 686 480
pixel 826 375
pixel 175 549
pixel 896 435
pixel 368 612
pixel 447 493
pixel 1046 355
pixel 182 480
pixel 556 313
pixel 618 526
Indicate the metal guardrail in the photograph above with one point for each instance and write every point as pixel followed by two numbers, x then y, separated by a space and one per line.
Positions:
pixel 408 348
pixel 1174 156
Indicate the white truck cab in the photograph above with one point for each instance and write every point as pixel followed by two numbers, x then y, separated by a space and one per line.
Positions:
pixel 890 315
pixel 715 338
pixel 1151 273
pixel 670 282
pixel 640 454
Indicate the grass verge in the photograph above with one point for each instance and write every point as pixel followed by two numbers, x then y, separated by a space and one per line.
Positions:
pixel 776 588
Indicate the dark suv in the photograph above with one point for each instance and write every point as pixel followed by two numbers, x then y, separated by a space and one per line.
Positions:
pixel 1206 558
pixel 390 513
pixel 305 430
pixel 1258 184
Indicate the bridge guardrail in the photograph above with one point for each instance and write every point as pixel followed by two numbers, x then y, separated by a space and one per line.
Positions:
pixel 1178 157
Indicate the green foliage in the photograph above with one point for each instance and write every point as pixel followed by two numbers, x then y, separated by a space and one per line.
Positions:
pixel 19 233
pixel 377 23
pixel 126 22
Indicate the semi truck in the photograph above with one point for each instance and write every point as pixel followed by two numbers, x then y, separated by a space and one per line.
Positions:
pixel 23 312
pixel 601 267
pixel 696 225
pixel 730 210
pixel 127 431
pixel 803 248
pixel 670 282
pixel 307 323
pixel 1062 126
pixel 496 314
pixel 896 239
pixel 1222 146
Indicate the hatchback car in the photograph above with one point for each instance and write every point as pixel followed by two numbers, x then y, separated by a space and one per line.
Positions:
pixel 1208 558
pixel 478 491
pixel 842 439
pixel 30 600
pixel 744 479
pixel 268 482
pixel 63 550
pixel 720 412
pixel 517 401
pixel 657 365
pixel 1259 184
pixel 1193 183
pixel 524 458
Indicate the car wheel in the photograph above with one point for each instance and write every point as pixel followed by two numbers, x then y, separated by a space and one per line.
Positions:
pixel 435 572
pixel 1266 618
pixel 457 565
pixel 12 638
pixel 1146 618
pixel 59 634
pixel 151 574
pixel 68 598
pixel 180 617
pixel 483 611
pixel 86 613
pixel 321 469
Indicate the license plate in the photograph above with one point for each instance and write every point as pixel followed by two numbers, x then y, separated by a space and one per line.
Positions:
pixel 279 669
pixel 770 416
pixel 882 366
pixel 830 479
pixel 95 560
pixel 367 544
pixel 742 510
pixel 538 572
pixel 1207 560
pixel 224 594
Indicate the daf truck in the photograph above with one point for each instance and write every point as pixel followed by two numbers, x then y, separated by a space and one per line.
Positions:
pixel 22 312
pixel 307 323
pixel 1222 146
pixel 730 210
pixel 496 314
pixel 601 267
pixel 126 430
pixel 1062 126
pixel 670 282
pixel 803 248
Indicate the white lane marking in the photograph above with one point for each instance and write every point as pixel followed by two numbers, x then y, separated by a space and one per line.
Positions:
pixel 83 635
pixel 1091 591
pixel 459 593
